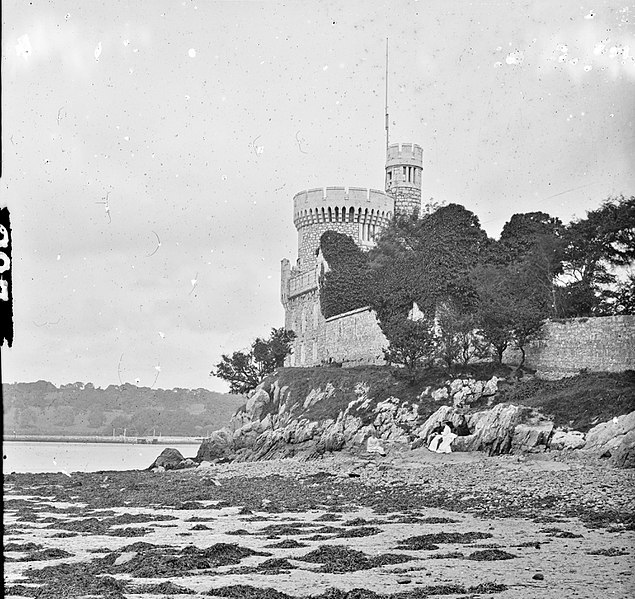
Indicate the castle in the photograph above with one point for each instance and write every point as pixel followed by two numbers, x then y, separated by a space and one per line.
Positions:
pixel 354 337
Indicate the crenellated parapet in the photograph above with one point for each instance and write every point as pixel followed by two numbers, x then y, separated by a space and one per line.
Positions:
pixel 404 154
pixel 341 205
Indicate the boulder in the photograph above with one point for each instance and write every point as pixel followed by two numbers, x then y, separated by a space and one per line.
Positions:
pixel 330 441
pixel 219 445
pixel 623 455
pixel 256 403
pixel 374 445
pixel 492 430
pixel 440 394
pixel 532 436
pixel 607 436
pixel 170 459
pixel 567 440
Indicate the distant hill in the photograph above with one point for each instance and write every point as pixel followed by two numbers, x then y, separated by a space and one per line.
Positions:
pixel 83 409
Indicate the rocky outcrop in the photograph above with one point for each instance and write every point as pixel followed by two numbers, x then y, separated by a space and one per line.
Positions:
pixel 275 423
pixel 614 439
pixel 567 440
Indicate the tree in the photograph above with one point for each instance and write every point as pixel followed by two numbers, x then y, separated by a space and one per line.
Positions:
pixel 594 247
pixel 457 337
pixel 427 261
pixel 245 370
pixel 494 315
pixel 512 305
pixel 411 342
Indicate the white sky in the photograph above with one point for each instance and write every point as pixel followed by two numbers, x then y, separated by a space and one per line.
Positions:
pixel 199 121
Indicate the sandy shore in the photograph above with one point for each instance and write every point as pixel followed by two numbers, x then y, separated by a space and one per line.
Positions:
pixel 408 525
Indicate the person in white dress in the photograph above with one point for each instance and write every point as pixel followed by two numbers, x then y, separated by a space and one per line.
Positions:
pixel 441 442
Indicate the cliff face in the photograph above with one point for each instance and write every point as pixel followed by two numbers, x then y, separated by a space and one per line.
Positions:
pixel 305 412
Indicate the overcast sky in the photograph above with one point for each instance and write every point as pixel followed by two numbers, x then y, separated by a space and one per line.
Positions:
pixel 151 151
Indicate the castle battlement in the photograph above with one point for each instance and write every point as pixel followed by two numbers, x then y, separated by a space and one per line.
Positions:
pixel 341 204
pixel 404 154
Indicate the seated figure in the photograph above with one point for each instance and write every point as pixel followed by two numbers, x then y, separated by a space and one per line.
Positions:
pixel 441 438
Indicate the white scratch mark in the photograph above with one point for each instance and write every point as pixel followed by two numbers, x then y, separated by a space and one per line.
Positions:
pixel 97 51
pixel 158 245
pixel 23 47
pixel 515 57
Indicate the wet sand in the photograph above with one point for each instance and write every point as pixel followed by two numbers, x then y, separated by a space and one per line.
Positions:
pixel 408 525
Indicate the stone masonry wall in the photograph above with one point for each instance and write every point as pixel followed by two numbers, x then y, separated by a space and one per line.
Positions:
pixel 304 317
pixel 309 239
pixel 567 346
pixel 407 200
pixel 354 338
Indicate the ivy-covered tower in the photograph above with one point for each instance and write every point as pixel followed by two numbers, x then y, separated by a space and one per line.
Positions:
pixel 360 213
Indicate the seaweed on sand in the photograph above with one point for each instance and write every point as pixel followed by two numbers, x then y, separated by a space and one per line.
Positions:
pixel 244 591
pixel 489 555
pixel 158 563
pixel 241 591
pixel 611 552
pixel 362 531
pixel 337 559
pixel 22 547
pixel 429 541
pixel 44 554
pixel 74 580
pixel 286 544
pixel 167 587
pixel 288 529
pixel 139 531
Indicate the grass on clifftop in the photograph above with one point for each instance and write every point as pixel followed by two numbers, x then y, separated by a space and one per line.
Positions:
pixel 578 402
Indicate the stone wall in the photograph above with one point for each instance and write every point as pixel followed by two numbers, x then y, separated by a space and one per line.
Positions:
pixel 567 346
pixel 353 338
pixel 304 317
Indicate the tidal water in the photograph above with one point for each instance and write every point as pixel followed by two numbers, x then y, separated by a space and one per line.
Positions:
pixel 46 456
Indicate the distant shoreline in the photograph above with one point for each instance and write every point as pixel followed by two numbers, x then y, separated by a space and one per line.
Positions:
pixel 103 439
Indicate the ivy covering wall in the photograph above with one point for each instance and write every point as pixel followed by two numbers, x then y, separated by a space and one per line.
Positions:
pixel 345 286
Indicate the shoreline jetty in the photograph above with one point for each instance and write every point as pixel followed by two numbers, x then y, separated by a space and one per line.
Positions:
pixel 103 439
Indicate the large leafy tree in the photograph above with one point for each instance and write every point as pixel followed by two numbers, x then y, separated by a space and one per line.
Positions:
pixel 595 246
pixel 244 370
pixel 427 261
pixel 411 343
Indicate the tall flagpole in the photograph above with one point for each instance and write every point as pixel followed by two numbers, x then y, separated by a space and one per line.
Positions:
pixel 386 97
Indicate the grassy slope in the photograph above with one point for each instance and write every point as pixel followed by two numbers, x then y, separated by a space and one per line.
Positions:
pixel 577 402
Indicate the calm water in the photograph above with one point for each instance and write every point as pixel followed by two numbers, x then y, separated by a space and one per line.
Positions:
pixel 43 456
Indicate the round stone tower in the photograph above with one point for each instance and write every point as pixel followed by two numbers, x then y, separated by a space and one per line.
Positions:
pixel 404 168
pixel 355 211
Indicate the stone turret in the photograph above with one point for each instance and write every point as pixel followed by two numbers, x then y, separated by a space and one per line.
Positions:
pixel 404 169
pixel 355 211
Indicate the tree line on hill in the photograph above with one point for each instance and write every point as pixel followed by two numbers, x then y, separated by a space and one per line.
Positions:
pixel 476 296
pixel 83 409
